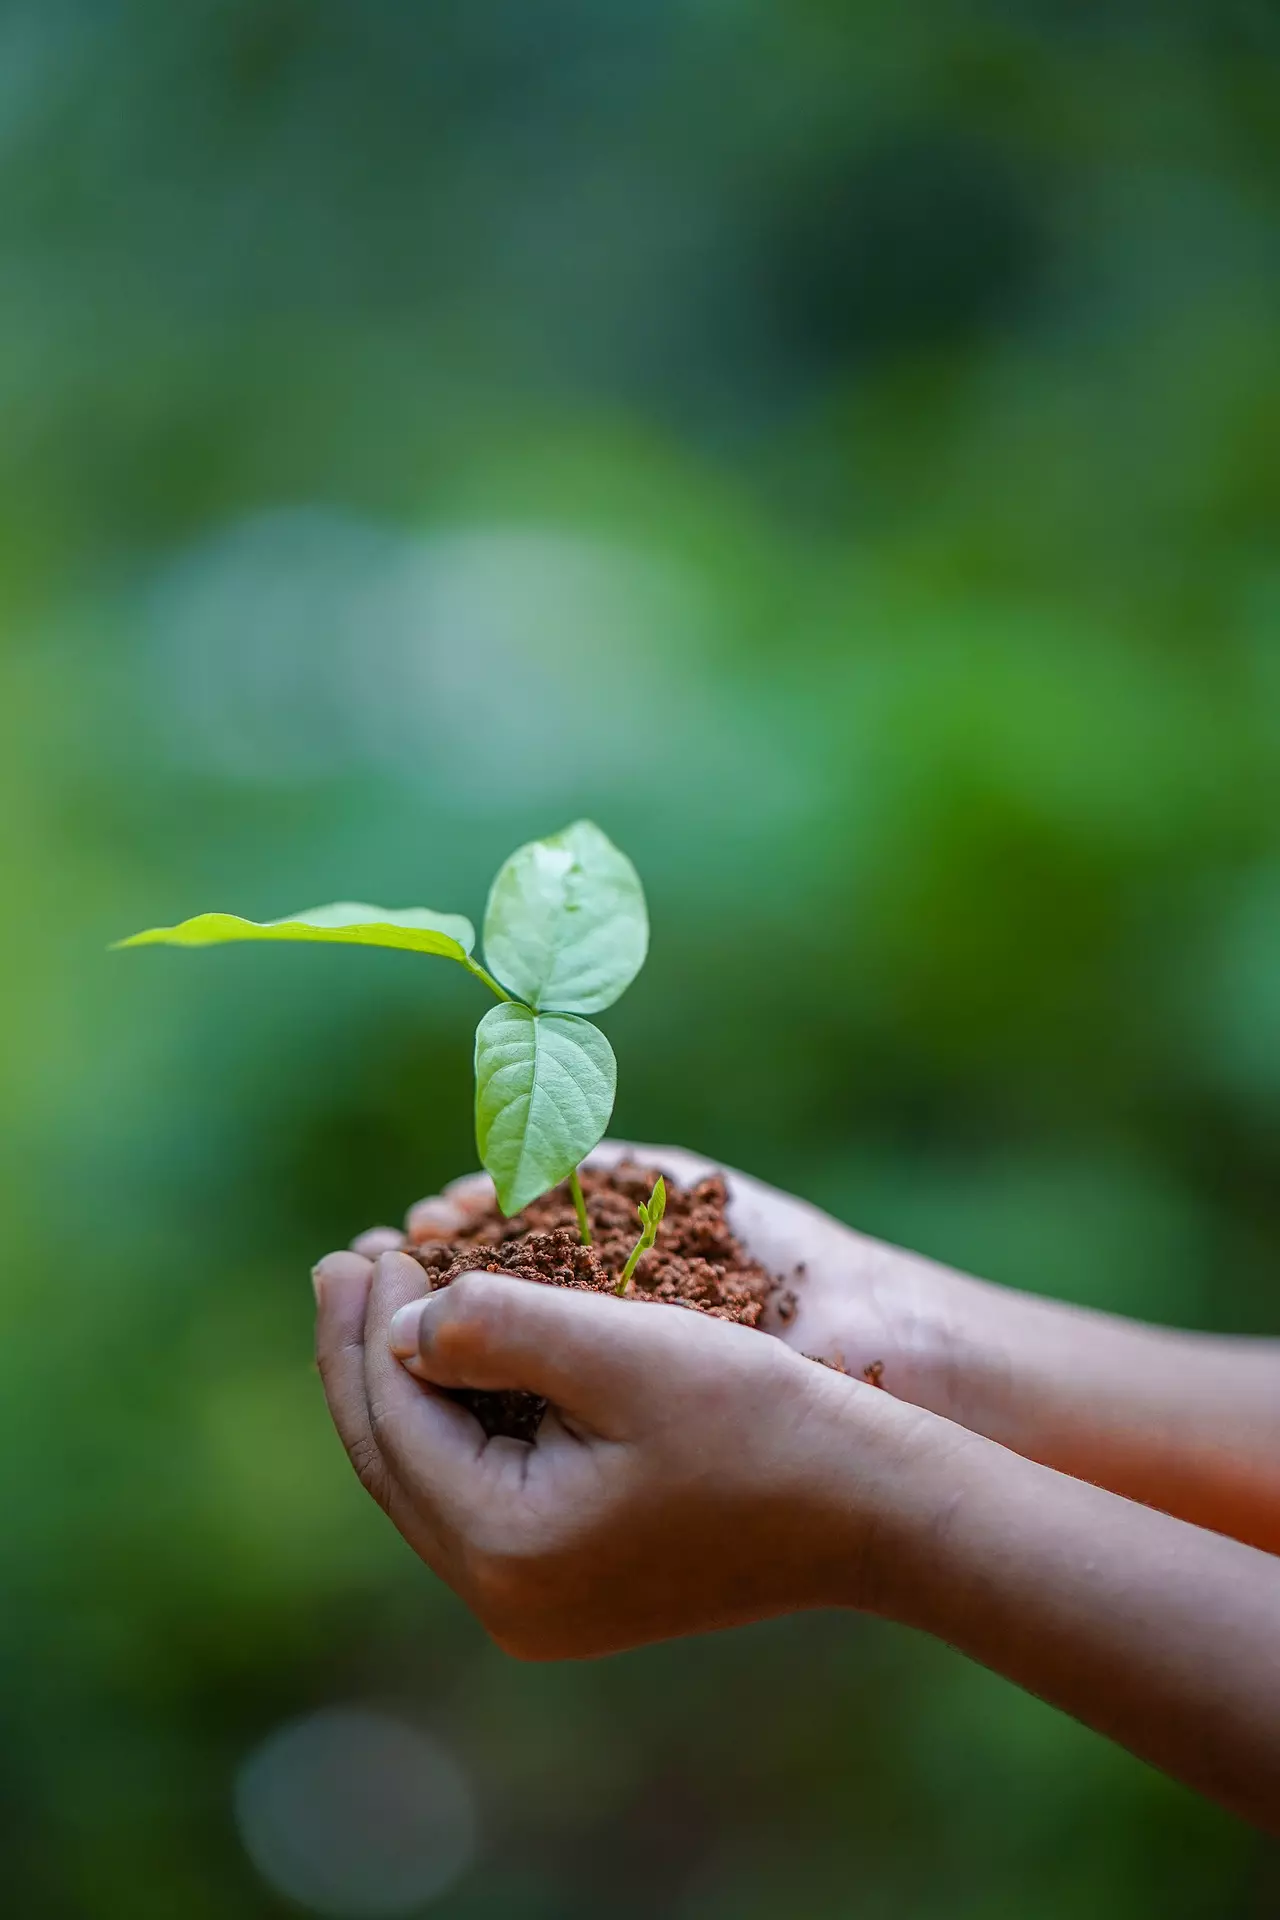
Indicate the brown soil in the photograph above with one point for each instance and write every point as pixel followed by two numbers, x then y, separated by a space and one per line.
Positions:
pixel 696 1262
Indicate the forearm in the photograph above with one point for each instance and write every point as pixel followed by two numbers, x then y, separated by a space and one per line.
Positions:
pixel 1183 1422
pixel 1160 1635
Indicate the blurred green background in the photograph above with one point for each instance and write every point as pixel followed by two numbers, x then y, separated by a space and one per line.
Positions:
pixel 835 446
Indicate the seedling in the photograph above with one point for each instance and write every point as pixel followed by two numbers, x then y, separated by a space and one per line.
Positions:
pixel 566 931
pixel 650 1221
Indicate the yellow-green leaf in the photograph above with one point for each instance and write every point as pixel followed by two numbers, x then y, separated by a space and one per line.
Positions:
pixel 346 922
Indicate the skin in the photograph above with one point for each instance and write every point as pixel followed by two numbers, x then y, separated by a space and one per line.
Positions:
pixel 690 1475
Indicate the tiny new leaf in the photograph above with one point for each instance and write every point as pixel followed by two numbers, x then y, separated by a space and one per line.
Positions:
pixel 566 927
pixel 651 1217
pixel 544 1093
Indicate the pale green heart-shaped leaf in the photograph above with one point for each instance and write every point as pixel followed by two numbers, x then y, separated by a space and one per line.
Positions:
pixel 566 926
pixel 544 1093
pixel 349 922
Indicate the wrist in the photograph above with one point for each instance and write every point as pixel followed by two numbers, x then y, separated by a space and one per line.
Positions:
pixel 880 1485
pixel 979 1355
pixel 939 1340
pixel 1057 1384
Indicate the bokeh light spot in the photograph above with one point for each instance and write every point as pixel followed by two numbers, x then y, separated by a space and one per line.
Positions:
pixel 354 1814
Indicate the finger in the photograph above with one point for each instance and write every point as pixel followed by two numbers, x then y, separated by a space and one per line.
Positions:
pixel 342 1283
pixel 443 1216
pixel 430 1444
pixel 594 1356
pixel 473 1194
pixel 434 1218
pixel 376 1241
pixel 676 1162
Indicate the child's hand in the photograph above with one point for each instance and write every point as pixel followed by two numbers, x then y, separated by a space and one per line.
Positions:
pixel 844 1298
pixel 1187 1423
pixel 690 1474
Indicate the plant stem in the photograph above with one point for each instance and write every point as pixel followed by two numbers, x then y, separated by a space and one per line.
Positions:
pixel 651 1218
pixel 482 973
pixel 633 1258
pixel 584 1225
pixel 642 1245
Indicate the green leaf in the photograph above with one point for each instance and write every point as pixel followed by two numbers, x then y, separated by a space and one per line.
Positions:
pixel 655 1212
pixel 414 929
pixel 544 1093
pixel 566 925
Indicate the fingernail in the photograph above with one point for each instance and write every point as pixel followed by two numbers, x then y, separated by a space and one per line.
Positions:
pixel 338 1267
pixel 341 1266
pixel 403 1331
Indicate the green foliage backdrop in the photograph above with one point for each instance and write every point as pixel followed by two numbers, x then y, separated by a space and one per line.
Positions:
pixel 832 445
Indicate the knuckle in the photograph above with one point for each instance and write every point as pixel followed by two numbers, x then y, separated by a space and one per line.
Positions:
pixel 473 1310
pixel 476 1294
pixel 381 1420
pixel 366 1458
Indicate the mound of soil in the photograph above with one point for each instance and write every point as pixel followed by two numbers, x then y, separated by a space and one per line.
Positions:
pixel 696 1262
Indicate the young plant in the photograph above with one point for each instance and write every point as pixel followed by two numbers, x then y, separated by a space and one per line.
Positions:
pixel 650 1221
pixel 566 931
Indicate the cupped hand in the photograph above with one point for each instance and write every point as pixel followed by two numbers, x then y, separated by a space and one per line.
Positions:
pixel 691 1474
pixel 873 1310
pixel 688 1474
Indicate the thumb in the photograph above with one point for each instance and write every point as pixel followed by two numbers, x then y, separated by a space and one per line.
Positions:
pixel 593 1356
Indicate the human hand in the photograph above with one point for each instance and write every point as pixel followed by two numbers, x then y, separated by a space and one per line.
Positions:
pixel 871 1309
pixel 688 1474
pixel 1183 1423
pixel 691 1475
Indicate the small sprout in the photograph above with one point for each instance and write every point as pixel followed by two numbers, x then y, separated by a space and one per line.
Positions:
pixel 565 933
pixel 650 1221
